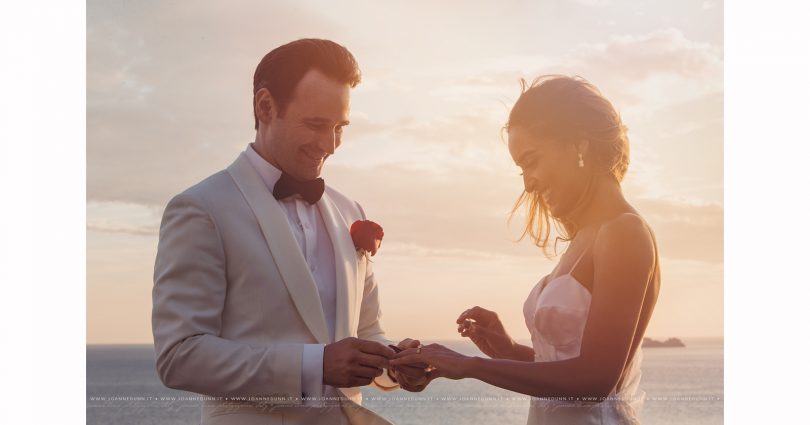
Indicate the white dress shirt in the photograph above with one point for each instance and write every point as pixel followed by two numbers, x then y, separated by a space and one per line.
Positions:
pixel 313 238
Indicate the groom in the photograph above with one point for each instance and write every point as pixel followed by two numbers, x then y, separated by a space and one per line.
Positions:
pixel 261 299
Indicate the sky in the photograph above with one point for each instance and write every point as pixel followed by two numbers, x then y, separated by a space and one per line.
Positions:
pixel 169 90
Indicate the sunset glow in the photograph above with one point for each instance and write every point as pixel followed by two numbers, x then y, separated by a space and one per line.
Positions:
pixel 169 103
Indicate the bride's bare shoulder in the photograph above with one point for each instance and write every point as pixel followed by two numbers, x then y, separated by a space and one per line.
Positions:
pixel 627 234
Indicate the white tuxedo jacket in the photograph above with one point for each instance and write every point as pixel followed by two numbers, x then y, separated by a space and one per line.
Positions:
pixel 234 301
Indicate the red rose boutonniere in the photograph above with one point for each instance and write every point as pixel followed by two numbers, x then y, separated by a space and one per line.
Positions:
pixel 367 236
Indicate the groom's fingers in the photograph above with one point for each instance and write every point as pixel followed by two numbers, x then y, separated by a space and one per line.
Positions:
pixel 411 371
pixel 409 357
pixel 404 353
pixel 372 360
pixel 405 358
pixel 409 343
pixel 366 372
pixel 373 347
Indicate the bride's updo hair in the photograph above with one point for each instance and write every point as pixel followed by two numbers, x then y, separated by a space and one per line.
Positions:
pixel 569 110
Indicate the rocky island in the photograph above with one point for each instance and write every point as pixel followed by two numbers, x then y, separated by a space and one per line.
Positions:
pixel 671 342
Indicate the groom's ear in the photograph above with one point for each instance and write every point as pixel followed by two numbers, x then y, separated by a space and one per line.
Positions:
pixel 265 106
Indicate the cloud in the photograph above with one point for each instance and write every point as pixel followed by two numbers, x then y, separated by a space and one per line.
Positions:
pixel 661 52
pixel 592 2
pixel 166 108
pixel 677 149
pixel 686 231
pixel 126 230
pixel 466 209
pixel 141 155
pixel 630 68
pixel 461 130
pixel 126 218
pixel 169 103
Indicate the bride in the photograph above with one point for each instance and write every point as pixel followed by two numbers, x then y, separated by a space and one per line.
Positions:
pixel 587 318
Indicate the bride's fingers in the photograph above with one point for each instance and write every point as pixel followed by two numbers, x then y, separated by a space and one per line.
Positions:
pixel 435 373
pixel 409 343
pixel 476 313
pixel 471 333
pixel 474 332
pixel 405 352
pixel 482 332
pixel 412 359
pixel 463 316
pixel 413 362
pixel 411 371
pixel 469 315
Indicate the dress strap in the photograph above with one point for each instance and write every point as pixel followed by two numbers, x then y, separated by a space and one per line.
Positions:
pixel 584 251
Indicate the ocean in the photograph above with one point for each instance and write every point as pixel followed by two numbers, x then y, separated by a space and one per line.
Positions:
pixel 683 386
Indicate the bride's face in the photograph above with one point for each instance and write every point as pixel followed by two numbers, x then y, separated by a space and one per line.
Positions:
pixel 549 169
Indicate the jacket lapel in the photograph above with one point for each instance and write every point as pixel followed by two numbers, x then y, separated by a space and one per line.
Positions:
pixel 345 268
pixel 283 247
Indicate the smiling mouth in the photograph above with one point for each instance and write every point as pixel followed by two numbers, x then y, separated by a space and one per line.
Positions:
pixel 314 158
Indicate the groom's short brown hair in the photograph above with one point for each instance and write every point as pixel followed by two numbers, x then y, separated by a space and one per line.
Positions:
pixel 280 70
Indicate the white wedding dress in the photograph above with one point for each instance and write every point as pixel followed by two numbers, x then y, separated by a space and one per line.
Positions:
pixel 555 313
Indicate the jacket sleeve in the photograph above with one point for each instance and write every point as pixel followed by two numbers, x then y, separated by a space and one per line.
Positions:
pixel 369 324
pixel 188 297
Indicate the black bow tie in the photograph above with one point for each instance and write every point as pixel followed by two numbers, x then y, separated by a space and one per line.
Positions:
pixel 287 186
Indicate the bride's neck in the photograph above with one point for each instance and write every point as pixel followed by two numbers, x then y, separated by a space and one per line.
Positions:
pixel 608 201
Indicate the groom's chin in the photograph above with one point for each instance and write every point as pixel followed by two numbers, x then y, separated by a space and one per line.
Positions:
pixel 311 171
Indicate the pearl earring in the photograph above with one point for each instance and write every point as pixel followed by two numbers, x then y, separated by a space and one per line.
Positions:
pixel 581 162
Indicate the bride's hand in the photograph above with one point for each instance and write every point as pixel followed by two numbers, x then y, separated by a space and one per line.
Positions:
pixel 486 331
pixel 445 362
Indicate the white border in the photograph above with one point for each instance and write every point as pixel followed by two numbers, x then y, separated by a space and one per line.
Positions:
pixel 42 170
pixel 42 214
pixel 767 112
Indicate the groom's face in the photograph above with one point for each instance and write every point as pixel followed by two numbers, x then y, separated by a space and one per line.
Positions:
pixel 311 127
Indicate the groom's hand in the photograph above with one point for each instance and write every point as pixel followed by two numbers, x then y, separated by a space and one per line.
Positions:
pixel 353 362
pixel 410 378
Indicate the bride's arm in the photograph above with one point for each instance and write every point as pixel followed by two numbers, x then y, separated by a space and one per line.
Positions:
pixel 620 284
pixel 624 262
pixel 522 353
pixel 485 330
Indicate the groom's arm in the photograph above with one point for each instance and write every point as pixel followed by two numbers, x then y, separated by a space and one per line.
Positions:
pixel 370 312
pixel 369 325
pixel 188 298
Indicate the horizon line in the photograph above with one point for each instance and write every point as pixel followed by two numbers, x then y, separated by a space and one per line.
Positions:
pixel 433 339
